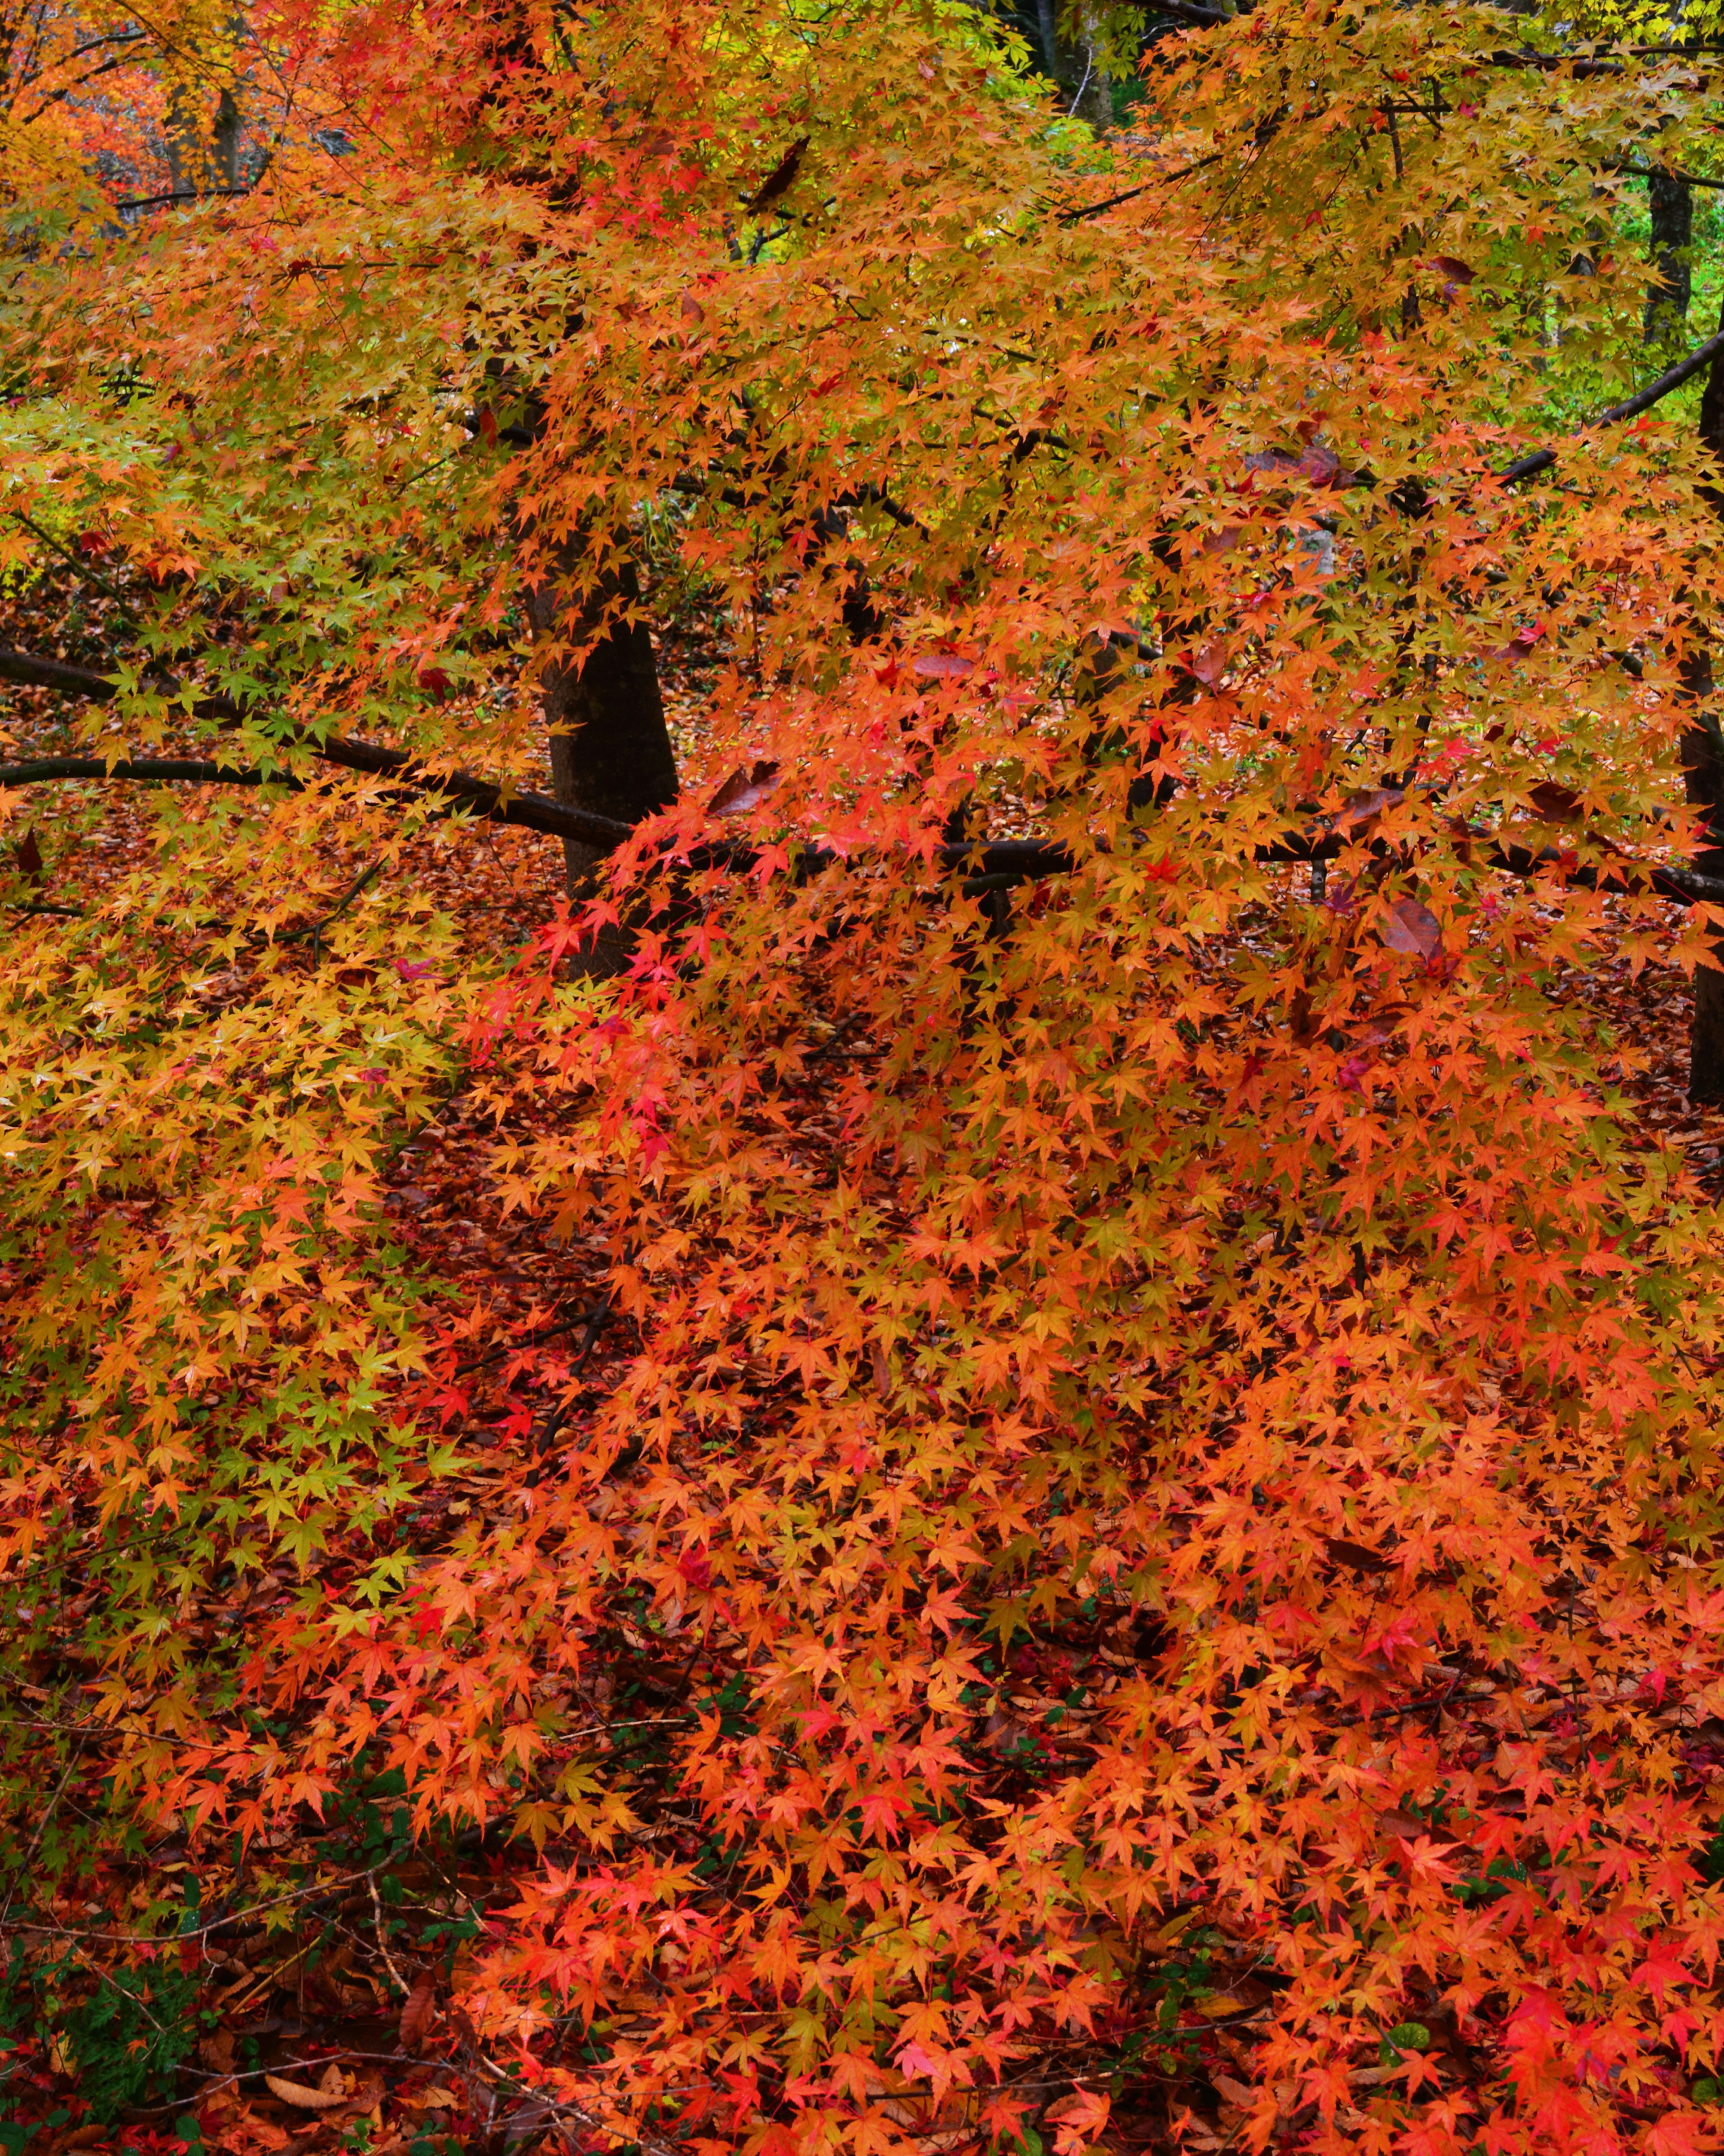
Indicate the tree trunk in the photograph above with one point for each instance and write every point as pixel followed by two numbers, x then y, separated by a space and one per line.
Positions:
pixel 1077 67
pixel 1672 235
pixel 226 134
pixel 1703 776
pixel 610 748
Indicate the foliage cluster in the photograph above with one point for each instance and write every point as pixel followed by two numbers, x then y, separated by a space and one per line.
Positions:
pixel 1148 1533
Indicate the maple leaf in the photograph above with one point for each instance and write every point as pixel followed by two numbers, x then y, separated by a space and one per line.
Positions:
pixel 1080 2120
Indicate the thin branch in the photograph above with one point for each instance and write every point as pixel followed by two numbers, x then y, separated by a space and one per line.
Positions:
pixel 315 929
pixel 58 97
pixel 1643 400
pixel 531 811
pixel 179 195
pixel 1130 194
pixel 80 567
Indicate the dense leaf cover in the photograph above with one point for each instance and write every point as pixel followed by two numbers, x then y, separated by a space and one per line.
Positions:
pixel 1153 1482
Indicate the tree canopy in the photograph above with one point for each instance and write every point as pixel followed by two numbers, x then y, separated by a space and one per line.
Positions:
pixel 1057 1486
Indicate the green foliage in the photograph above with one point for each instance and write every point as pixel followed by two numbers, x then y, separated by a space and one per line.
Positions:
pixel 123 2030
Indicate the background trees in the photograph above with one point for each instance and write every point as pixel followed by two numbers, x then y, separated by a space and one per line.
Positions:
pixel 1032 1477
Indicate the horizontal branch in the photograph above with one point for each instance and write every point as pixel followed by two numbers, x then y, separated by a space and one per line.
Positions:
pixel 1001 861
pixel 1663 173
pixel 183 771
pixel 997 863
pixel 531 811
pixel 178 195
pixel 1130 194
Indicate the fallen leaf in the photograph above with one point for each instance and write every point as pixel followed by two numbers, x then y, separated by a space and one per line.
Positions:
pixel 1524 639
pixel 216 2050
pixel 329 2092
pixel 778 180
pixel 28 855
pixel 421 2004
pixel 1359 809
pixel 1079 2120
pixel 1316 463
pixel 1555 803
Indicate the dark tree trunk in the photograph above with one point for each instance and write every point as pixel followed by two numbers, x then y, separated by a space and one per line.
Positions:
pixel 1672 236
pixel 1703 776
pixel 610 748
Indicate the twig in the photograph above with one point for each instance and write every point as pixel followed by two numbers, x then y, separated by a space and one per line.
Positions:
pixel 522 1346
pixel 1130 194
pixel 395 1976
pixel 315 929
pixel 79 566
pixel 72 1766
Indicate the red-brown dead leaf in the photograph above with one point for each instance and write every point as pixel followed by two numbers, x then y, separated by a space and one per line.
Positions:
pixel 416 2013
pixel 744 790
pixel 1555 803
pixel 1412 929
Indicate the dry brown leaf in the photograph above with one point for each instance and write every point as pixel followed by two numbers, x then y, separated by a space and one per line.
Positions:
pixel 1414 929
pixel 416 2013
pixel 1355 1556
pixel 329 2092
pixel 216 2050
